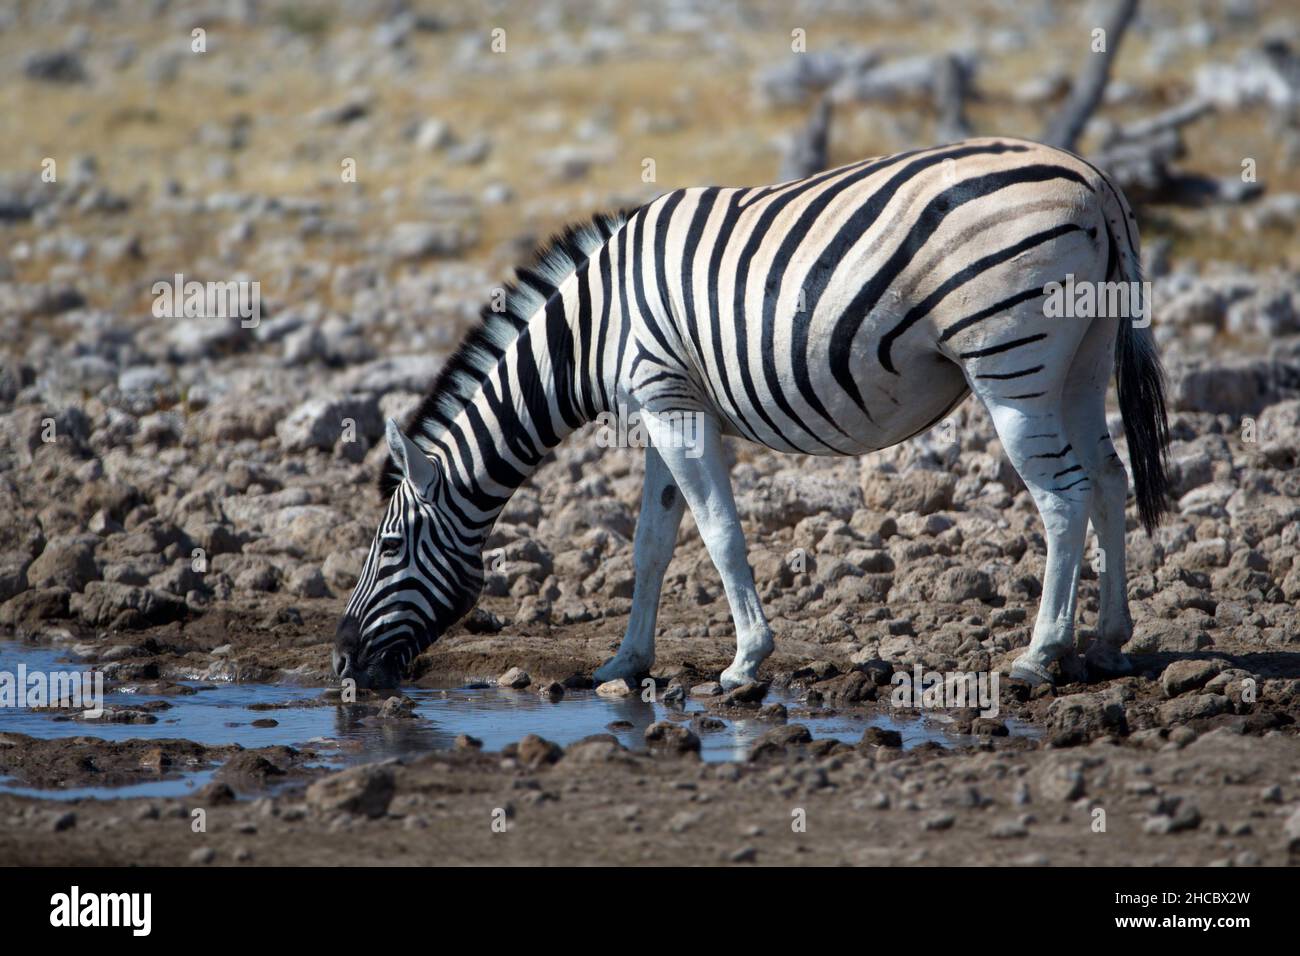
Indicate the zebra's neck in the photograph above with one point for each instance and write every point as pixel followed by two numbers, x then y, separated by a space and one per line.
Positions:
pixel 553 378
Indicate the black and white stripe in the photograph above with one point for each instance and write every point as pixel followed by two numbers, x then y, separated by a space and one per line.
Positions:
pixel 833 315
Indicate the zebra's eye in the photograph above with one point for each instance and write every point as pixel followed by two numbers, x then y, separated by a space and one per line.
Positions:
pixel 389 547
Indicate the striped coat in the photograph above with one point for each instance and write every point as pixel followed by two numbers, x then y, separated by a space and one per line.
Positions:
pixel 839 314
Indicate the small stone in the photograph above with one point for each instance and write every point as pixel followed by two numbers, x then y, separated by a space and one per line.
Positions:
pixel 940 821
pixel 466 742
pixel 1008 830
pixel 552 690
pixel 397 708
pixel 664 736
pixel 63 821
pixel 203 855
pixel 881 737
pixel 746 694
pixel 615 688
pixel 1292 830
pixel 710 688
pixel 1182 676
pixel 534 751
pixel 516 678
pixel 363 791
pixel 746 854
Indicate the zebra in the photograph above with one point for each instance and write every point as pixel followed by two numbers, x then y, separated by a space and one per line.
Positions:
pixel 834 315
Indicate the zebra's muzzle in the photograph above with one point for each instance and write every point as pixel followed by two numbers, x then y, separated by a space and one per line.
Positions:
pixel 350 659
pixel 344 656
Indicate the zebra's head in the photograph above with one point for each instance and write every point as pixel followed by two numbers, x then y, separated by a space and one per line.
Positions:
pixel 419 579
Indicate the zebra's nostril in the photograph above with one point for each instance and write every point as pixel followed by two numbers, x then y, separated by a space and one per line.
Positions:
pixel 342 664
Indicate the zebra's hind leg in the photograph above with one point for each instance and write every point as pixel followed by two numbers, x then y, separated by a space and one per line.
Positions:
pixel 1084 401
pixel 656 536
pixel 698 466
pixel 1034 435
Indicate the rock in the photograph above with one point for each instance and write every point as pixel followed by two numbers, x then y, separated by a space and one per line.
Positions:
pixel 854 687
pixel 963 584
pixel 397 708
pixel 939 821
pixel 534 751
pixel 746 694
pixel 552 690
pixel 1008 830
pixel 203 855
pixel 55 66
pixel 1179 814
pixel 615 688
pixel 362 791
pixel 307 581
pixel 918 490
pixel 249 770
pixel 1061 781
pixel 433 134
pixel 104 604
pixel 782 500
pixel 67 561
pixel 324 422
pixel 1166 637
pixel 1182 676
pixel 1291 828
pixel 63 821
pixel 515 677
pixel 881 737
pixel 466 742
pixel 666 737
pixel 1090 714
pixel 35 605
pixel 1233 387
pixel 598 748
pixel 340 569
pixel 779 739
pixel 13 573
pixel 709 688
pixel 1192 707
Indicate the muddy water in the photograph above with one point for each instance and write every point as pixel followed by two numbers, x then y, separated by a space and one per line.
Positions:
pixel 296 716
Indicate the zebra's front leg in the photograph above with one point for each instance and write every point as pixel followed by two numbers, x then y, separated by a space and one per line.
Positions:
pixel 694 457
pixel 656 536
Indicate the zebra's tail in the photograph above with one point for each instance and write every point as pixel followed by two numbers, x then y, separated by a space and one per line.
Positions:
pixel 1140 381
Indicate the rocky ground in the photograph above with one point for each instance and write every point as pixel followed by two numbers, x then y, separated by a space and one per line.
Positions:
pixel 179 498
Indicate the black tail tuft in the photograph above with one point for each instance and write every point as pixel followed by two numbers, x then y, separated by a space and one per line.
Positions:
pixel 1141 384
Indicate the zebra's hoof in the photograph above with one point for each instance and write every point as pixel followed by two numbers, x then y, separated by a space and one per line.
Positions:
pixel 1031 673
pixel 1107 660
pixel 734 677
pixel 614 668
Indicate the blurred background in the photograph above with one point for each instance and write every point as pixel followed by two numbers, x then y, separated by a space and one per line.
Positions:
pixel 477 128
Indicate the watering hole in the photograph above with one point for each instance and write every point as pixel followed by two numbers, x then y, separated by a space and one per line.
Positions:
pixel 261 715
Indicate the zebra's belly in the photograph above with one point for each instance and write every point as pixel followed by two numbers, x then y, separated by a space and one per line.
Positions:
pixel 898 407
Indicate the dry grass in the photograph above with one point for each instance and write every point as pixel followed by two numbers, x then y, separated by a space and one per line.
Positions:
pixel 143 133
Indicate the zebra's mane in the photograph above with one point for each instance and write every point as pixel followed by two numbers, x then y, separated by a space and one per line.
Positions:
pixel 482 347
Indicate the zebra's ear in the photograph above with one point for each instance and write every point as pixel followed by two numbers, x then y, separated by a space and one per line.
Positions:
pixel 410 461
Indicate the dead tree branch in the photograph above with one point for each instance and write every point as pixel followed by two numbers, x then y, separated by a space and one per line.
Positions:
pixel 1064 131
